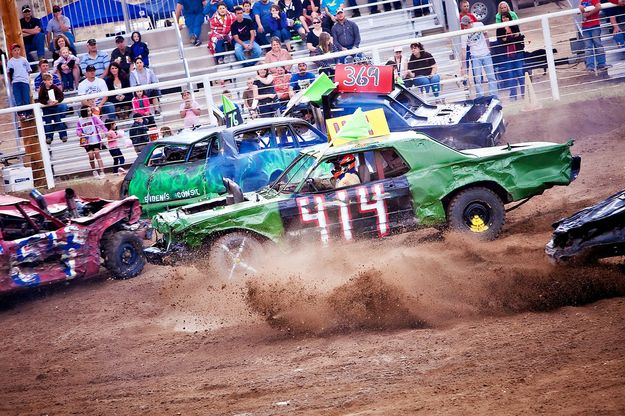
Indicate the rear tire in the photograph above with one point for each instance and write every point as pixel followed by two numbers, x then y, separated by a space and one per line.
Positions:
pixel 477 211
pixel 235 255
pixel 123 255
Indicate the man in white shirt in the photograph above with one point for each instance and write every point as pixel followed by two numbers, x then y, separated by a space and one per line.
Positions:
pixel 93 85
pixel 480 57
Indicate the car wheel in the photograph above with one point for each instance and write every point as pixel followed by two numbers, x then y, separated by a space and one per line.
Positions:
pixel 484 10
pixel 123 255
pixel 235 255
pixel 478 211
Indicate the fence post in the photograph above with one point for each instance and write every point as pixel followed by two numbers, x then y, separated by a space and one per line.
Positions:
pixel 551 64
pixel 45 155
pixel 126 16
pixel 208 94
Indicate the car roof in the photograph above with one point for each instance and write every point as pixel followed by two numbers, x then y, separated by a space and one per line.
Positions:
pixel 6 200
pixel 367 143
pixel 191 136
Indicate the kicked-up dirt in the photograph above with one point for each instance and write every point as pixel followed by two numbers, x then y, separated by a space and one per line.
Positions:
pixel 421 323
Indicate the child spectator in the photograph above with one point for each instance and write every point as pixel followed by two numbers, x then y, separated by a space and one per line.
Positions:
pixel 243 35
pixel 139 133
pixel 61 41
pixel 247 12
pixel 248 99
pixel 166 131
pixel 49 96
pixel 189 111
pixel 278 26
pixel 68 69
pixel 219 38
pixel 19 70
pixel 282 86
pixel 91 130
pixel 141 105
pixel 139 49
pixel 326 66
pixel 112 139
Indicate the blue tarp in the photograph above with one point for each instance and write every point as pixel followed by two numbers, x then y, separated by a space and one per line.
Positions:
pixel 94 12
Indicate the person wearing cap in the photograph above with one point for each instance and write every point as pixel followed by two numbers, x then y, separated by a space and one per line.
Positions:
pixel 33 33
pixel 302 78
pixel 345 33
pixel 59 24
pixel 193 12
pixel 18 71
pixel 122 54
pixel 398 61
pixel 94 85
pixel 98 59
pixel 44 68
pixel 481 60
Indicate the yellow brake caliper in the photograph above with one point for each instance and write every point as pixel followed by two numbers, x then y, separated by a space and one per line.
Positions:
pixel 478 225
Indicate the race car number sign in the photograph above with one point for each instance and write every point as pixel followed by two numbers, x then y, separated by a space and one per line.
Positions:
pixel 364 78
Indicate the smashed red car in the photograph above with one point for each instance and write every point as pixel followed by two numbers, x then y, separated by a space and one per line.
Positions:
pixel 60 237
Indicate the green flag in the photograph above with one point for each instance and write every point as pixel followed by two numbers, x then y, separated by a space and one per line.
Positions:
pixel 227 104
pixel 356 127
pixel 318 88
pixel 231 112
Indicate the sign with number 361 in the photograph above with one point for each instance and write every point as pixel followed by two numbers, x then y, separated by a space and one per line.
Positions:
pixel 364 78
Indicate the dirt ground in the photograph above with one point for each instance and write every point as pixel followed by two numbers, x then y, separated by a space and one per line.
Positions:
pixel 416 324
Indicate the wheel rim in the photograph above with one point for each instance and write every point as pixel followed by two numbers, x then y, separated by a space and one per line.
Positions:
pixel 480 10
pixel 237 256
pixel 476 216
pixel 128 254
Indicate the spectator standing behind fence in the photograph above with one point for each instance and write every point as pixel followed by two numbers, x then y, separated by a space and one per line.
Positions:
pixel 67 67
pixel 278 26
pixel 294 16
pixel 59 24
pixel 145 76
pixel 117 80
pixel 465 8
pixel 480 57
pixel 591 32
pixel 189 111
pixel 32 33
pixel 503 7
pixel 326 45
pixel 139 133
pixel 616 17
pixel 345 33
pixel 514 42
pixel 244 35
pixel 113 138
pixel 262 14
pixel 421 70
pixel 193 13
pixel 312 39
pixel 302 78
pixel 91 130
pixel 139 49
pixel 219 37
pixel 277 54
pixel 141 105
pixel 93 85
pixel 264 93
pixel 248 99
pixel 98 59
pixel 122 54
pixel 19 71
pixel 51 97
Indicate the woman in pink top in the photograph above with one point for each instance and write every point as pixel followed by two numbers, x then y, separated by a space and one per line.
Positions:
pixel 277 54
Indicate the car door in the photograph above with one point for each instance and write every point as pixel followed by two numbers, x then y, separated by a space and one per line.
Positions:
pixel 379 204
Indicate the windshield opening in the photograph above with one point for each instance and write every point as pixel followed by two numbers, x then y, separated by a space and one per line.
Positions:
pixel 294 174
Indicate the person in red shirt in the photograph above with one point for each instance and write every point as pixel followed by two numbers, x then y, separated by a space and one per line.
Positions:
pixel 219 37
pixel 591 32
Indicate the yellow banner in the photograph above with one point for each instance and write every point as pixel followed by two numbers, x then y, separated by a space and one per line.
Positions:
pixel 376 118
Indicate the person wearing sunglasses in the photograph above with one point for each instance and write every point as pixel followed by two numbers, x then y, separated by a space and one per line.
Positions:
pixel 312 39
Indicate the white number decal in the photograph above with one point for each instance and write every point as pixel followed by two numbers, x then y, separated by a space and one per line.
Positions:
pixel 346 221
pixel 320 217
pixel 378 206
pixel 361 76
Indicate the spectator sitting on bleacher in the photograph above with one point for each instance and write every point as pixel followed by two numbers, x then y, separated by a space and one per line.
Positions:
pixel 294 15
pixel 282 86
pixel 33 33
pixel 374 9
pixel 326 45
pixel 422 11
pixel 302 78
pixel 211 7
pixel 61 41
pixel 278 26
pixel 139 49
pixel 98 59
pixel 262 14
pixel 219 37
pixel 116 80
pixel 396 77
pixel 68 69
pixel 189 111
pixel 19 71
pixel 264 93
pixel 145 76
pixel 141 105
pixel 421 70
pixel 503 7
pixel 310 10
pixel 121 54
pixel 277 54
pixel 193 13
pixel 51 97
pixel 399 62
pixel 312 39
pixel 345 33
pixel 59 25
pixel 244 35
pixel 93 85
pixel 44 68
pixel 247 11
pixel 329 8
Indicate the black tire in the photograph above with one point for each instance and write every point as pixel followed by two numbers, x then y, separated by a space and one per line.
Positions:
pixel 484 10
pixel 235 255
pixel 123 255
pixel 477 211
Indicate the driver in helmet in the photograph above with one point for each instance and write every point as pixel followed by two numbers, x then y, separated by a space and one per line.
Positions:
pixel 344 171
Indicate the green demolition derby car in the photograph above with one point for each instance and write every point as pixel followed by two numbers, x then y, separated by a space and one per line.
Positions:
pixel 399 182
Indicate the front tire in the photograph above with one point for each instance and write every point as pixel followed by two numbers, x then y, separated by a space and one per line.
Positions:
pixel 235 255
pixel 478 211
pixel 123 255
